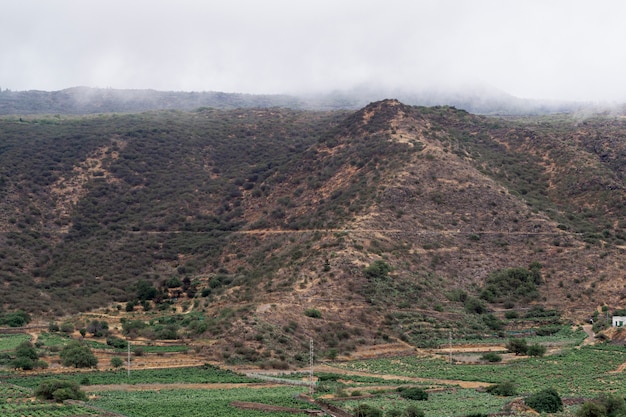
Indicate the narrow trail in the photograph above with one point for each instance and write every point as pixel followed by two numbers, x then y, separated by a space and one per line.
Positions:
pixel 591 336
pixel 350 230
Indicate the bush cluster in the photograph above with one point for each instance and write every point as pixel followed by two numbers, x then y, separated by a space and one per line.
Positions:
pixel 413 393
pixel 59 390
pixel 545 401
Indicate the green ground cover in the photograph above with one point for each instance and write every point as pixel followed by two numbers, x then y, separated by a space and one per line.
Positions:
pixel 583 372
pixel 447 403
pixel 18 402
pixel 194 375
pixel 9 342
pixel 196 403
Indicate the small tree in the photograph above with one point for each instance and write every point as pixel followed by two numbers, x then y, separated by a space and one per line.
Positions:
pixel 145 291
pixel 517 346
pixel 26 357
pixel 26 350
pixel 98 328
pixel 78 355
pixel 117 362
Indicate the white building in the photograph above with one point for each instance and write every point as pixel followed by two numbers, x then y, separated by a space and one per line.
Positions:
pixel 619 321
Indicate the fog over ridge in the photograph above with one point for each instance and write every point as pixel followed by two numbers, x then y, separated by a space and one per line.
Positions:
pixel 559 50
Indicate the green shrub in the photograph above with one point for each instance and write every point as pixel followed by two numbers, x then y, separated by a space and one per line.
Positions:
pixel 493 322
pixel 78 355
pixel 328 377
pixel 545 401
pixel 536 350
pixel 117 342
pixel 413 393
pixel 117 362
pixel 491 357
pixel 603 406
pixel 14 319
pixel 59 390
pixel 377 270
pixel 365 410
pixel 26 350
pixel 591 409
pixel 615 405
pixel 313 313
pixel 67 327
pixel 517 346
pixel 475 306
pixel 512 284
pixel 548 330
pixel 413 411
pixel 541 312
pixel 23 363
pixel 503 389
pixel 26 357
pixel 511 315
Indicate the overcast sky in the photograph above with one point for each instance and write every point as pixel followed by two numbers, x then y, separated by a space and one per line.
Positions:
pixel 548 49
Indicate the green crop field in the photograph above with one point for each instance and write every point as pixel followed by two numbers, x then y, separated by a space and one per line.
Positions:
pixel 575 372
pixel 206 374
pixel 580 372
pixel 9 342
pixel 449 403
pixel 197 403
pixel 19 402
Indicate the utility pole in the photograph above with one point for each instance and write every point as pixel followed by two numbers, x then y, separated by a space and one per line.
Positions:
pixel 450 344
pixel 311 366
pixel 128 344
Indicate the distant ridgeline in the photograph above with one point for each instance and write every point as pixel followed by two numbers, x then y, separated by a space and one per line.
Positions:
pixel 85 100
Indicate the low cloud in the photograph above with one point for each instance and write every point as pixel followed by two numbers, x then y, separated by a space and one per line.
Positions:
pixel 533 49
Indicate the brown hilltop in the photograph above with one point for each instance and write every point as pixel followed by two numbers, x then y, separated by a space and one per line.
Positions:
pixel 283 217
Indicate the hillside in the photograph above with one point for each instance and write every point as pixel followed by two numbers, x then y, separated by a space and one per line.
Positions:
pixel 277 225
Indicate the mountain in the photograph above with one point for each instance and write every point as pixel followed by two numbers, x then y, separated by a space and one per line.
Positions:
pixel 84 100
pixel 346 226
